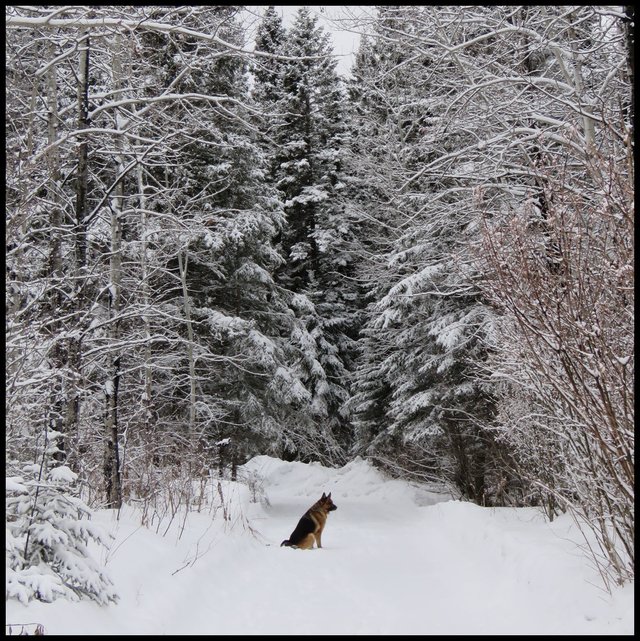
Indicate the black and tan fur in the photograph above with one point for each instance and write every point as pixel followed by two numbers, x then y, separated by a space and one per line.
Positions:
pixel 311 525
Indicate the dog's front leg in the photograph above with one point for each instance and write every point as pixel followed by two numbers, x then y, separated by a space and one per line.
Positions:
pixel 318 542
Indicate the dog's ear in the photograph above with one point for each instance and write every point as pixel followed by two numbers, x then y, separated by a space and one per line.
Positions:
pixel 323 496
pixel 329 495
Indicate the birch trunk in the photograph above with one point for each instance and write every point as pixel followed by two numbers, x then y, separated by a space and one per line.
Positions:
pixel 144 276
pixel 182 264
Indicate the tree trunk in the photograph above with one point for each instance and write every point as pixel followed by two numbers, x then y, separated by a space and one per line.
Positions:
pixel 112 469
pixel 144 278
pixel 55 408
pixel 113 486
pixel 182 264
pixel 82 173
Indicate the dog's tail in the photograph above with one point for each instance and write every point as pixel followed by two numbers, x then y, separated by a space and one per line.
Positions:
pixel 286 542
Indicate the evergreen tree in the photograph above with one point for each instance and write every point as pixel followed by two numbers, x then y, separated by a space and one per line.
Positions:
pixel 302 98
pixel 48 531
pixel 419 400
pixel 268 71
pixel 239 320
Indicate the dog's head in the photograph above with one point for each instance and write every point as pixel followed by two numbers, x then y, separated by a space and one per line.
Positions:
pixel 326 503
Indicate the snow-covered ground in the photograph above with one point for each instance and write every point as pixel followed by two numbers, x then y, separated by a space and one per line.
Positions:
pixel 396 559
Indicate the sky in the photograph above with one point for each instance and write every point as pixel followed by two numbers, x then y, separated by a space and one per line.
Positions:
pixel 337 20
pixel 396 558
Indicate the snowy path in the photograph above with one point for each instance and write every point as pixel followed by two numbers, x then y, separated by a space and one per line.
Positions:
pixel 391 567
pixel 396 560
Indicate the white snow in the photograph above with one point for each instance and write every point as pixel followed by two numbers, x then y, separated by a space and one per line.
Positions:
pixel 62 474
pixel 15 484
pixel 396 559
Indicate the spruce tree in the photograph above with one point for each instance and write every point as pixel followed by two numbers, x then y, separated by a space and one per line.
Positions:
pixel 268 71
pixel 418 395
pixel 239 320
pixel 303 99
pixel 48 531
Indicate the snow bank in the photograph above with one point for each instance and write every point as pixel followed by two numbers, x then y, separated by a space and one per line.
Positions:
pixel 358 483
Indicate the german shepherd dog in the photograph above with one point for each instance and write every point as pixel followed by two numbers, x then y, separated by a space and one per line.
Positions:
pixel 310 526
